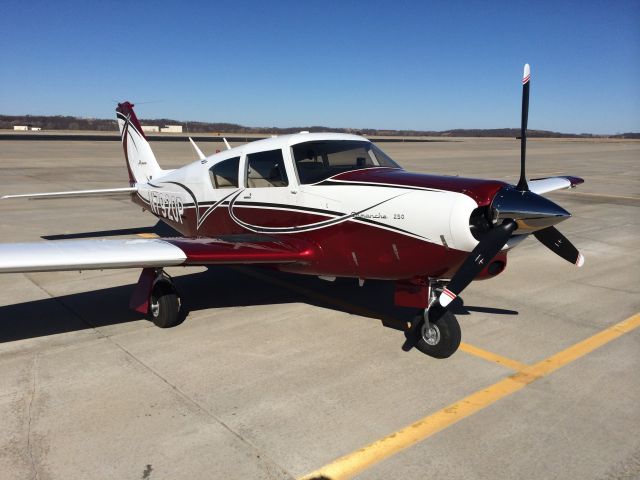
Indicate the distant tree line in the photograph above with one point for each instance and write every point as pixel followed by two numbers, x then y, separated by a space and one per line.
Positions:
pixel 60 122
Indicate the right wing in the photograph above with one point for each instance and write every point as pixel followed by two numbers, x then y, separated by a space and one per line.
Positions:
pixel 551 184
pixel 157 252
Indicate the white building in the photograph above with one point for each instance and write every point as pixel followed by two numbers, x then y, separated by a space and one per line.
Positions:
pixel 24 128
pixel 172 129
pixel 150 128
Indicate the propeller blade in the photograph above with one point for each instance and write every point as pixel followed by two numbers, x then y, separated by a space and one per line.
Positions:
pixel 551 238
pixel 526 76
pixel 479 257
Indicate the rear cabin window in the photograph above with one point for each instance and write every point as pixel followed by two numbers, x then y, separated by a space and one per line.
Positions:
pixel 225 173
pixel 317 161
pixel 266 169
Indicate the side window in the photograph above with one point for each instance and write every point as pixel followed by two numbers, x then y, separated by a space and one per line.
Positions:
pixel 266 169
pixel 225 174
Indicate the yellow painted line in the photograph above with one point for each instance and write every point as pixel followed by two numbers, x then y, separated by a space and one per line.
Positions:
pixel 147 235
pixel 354 463
pixel 551 364
pixel 465 347
pixel 493 357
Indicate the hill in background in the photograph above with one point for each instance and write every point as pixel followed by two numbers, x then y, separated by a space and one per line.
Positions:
pixel 108 125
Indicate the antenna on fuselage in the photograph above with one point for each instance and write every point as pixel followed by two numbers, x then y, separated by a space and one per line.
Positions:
pixel 226 143
pixel 201 155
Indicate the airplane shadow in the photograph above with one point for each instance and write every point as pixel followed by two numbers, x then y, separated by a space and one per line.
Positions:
pixel 217 287
pixel 160 228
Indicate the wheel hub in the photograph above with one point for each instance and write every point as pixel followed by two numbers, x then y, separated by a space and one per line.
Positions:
pixel 431 333
pixel 155 308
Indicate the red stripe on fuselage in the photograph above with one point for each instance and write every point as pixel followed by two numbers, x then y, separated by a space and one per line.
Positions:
pixel 482 191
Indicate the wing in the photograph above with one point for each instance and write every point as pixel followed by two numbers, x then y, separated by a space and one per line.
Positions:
pixel 76 193
pixel 550 184
pixel 157 252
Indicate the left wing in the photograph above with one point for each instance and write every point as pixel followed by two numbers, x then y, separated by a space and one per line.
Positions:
pixel 157 252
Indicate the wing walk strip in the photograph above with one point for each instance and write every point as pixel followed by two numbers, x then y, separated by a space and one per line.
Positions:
pixel 354 463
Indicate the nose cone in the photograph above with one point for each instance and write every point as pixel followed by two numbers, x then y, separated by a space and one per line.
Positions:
pixel 530 211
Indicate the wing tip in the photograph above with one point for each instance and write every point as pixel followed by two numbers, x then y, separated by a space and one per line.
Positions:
pixel 580 260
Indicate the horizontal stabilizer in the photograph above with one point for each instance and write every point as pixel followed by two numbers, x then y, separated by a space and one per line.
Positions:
pixel 75 193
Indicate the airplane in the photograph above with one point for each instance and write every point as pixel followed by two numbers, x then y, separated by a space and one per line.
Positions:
pixel 324 204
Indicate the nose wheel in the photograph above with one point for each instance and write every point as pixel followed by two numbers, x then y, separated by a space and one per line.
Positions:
pixel 439 335
pixel 435 331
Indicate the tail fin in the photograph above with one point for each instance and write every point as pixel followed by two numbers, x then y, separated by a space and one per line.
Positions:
pixel 141 162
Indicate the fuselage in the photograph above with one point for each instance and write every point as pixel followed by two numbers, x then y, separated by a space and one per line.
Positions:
pixel 365 216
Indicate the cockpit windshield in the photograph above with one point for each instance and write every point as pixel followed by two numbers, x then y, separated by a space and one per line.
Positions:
pixel 319 160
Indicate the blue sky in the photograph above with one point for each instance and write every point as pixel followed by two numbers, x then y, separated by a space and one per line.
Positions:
pixel 401 65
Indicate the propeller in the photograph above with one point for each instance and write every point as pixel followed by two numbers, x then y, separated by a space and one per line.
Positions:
pixel 526 77
pixel 479 258
pixel 515 209
pixel 551 238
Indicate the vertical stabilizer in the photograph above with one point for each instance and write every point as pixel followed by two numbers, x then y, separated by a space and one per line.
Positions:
pixel 141 162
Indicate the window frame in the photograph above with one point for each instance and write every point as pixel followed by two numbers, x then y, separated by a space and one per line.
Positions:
pixel 212 175
pixel 323 156
pixel 285 168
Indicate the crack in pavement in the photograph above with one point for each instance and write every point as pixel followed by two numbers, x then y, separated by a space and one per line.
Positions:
pixel 33 394
pixel 260 454
pixel 270 463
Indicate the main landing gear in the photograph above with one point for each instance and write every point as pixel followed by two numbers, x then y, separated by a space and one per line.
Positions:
pixel 435 331
pixel 164 304
pixel 156 296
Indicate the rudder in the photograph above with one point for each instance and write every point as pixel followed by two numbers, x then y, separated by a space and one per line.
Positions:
pixel 141 162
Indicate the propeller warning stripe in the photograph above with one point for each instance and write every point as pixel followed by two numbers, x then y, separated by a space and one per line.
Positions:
pixel 449 293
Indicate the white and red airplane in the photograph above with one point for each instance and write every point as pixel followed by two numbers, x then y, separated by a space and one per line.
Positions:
pixel 324 204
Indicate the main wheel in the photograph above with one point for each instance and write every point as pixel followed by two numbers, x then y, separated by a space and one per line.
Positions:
pixel 440 337
pixel 165 305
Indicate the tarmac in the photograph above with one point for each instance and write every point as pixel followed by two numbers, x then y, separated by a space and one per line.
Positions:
pixel 275 376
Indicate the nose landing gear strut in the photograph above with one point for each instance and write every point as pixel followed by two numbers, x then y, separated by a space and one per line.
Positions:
pixel 435 331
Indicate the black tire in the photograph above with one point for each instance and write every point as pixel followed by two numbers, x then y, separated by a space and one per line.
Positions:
pixel 447 334
pixel 164 307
